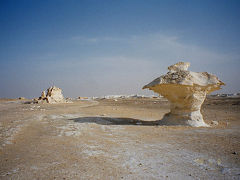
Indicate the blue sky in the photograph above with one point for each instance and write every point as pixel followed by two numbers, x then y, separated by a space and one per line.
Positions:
pixel 94 48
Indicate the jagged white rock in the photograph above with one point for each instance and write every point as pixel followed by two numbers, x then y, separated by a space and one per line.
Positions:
pixel 54 95
pixel 186 92
pixel 43 95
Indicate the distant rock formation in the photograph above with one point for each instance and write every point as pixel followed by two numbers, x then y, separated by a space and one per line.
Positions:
pixel 21 98
pixel 54 95
pixel 186 92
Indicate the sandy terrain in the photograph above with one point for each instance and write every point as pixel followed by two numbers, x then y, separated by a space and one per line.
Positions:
pixel 108 139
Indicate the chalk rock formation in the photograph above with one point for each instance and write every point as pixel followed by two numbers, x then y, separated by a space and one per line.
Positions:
pixel 186 92
pixel 54 95
pixel 43 95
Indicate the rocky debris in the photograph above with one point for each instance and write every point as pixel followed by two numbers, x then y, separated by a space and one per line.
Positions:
pixel 54 95
pixel 186 92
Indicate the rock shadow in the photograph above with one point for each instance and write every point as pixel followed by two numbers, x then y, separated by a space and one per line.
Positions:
pixel 115 121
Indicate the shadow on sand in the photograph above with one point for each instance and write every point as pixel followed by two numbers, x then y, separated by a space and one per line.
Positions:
pixel 115 121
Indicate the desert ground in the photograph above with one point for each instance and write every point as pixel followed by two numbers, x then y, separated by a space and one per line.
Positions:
pixel 117 139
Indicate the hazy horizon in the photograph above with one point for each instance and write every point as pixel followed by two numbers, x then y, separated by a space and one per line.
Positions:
pixel 96 48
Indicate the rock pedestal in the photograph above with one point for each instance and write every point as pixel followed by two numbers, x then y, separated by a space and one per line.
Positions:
pixel 186 92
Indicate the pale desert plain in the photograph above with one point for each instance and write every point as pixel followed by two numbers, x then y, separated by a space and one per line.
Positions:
pixel 120 90
pixel 117 138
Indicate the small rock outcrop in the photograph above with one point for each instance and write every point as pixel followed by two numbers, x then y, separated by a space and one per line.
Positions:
pixel 54 95
pixel 186 92
pixel 43 95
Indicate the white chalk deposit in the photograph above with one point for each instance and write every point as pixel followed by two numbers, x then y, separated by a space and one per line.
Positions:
pixel 186 92
pixel 54 95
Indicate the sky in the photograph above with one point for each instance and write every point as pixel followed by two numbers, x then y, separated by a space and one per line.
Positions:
pixel 96 48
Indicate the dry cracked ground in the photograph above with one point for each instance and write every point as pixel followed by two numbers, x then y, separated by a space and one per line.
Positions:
pixel 117 139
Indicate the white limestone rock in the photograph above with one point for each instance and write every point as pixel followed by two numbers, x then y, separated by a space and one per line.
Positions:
pixel 43 95
pixel 54 95
pixel 186 92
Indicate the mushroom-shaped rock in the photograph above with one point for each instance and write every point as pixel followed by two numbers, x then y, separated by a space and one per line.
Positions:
pixel 186 92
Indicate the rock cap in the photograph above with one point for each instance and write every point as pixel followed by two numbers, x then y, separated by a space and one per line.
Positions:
pixel 179 75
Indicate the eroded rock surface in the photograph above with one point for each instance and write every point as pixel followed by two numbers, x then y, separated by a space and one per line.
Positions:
pixel 54 95
pixel 186 92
